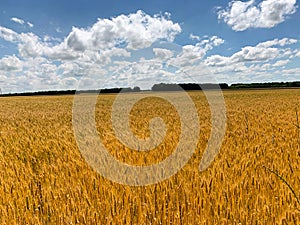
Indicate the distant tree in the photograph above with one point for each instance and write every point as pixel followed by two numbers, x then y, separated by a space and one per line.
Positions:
pixel 166 87
pixel 136 89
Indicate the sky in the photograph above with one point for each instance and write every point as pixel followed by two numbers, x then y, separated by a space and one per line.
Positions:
pixel 82 44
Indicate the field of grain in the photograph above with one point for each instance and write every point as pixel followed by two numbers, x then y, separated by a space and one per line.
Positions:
pixel 255 179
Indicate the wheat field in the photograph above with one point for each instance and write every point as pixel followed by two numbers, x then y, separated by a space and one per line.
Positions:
pixel 255 179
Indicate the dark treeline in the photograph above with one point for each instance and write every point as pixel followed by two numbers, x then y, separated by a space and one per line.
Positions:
pixel 118 90
pixel 72 92
pixel 66 92
pixel 166 87
pixel 187 86
pixel 207 86
pixel 266 85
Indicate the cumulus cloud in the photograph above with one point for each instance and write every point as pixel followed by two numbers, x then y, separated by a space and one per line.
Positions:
pixel 132 32
pixel 293 71
pixel 255 54
pixel 281 63
pixel 193 53
pixel 265 61
pixel 10 63
pixel 69 82
pixel 31 46
pixel 217 60
pixel 162 53
pixel 281 42
pixel 244 15
pixel 137 30
pixel 8 34
pixel 262 52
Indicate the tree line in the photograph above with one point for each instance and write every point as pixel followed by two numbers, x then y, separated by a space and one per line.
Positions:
pixel 166 87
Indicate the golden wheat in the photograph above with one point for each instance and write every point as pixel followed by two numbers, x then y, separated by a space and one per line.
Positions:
pixel 45 180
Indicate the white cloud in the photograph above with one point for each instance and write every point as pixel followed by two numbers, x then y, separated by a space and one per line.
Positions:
pixel 281 42
pixel 116 52
pixel 69 82
pixel 30 24
pixel 194 37
pixel 163 54
pixel 292 71
pixel 137 30
pixel 267 61
pixel 108 36
pixel 30 45
pixel 47 38
pixel 8 34
pixel 17 20
pixel 22 22
pixel 262 52
pixel 10 63
pixel 255 54
pixel 217 60
pixel 244 15
pixel 193 53
pixel 281 63
pixel 3 78
pixel 215 41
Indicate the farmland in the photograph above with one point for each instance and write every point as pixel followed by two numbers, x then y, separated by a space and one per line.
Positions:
pixel 255 179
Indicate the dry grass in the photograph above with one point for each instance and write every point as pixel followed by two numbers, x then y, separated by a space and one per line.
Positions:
pixel 45 180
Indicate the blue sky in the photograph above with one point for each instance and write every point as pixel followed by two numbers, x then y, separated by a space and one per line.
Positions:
pixel 47 45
